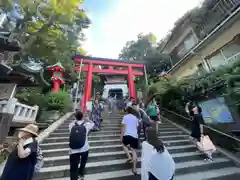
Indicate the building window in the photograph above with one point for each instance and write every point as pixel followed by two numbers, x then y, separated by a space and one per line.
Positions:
pixel 181 51
pixel 200 69
pixel 216 60
pixel 190 42
pixel 231 53
pixel 225 56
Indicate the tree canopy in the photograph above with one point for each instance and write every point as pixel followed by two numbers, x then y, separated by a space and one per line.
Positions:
pixel 147 49
pixel 139 49
pixel 51 30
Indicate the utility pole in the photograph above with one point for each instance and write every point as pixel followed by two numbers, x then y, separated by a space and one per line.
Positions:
pixel 78 84
pixel 146 78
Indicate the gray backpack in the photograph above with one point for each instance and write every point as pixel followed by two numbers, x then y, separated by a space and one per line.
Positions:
pixel 40 161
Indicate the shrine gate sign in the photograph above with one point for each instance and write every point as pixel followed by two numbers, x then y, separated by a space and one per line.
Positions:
pixel 107 66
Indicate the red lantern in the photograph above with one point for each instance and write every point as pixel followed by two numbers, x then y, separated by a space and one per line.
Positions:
pixel 57 76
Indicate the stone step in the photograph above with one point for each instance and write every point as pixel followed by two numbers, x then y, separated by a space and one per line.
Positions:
pixel 112 124
pixel 114 129
pixel 235 176
pixel 91 167
pixel 117 137
pixel 95 149
pixel 107 159
pixel 127 175
pixel 103 124
pixel 109 133
pixel 103 128
pixel 108 175
pixel 210 173
pixel 63 130
pixel 93 157
pixel 111 148
pixel 114 165
pixel 103 156
pixel 60 145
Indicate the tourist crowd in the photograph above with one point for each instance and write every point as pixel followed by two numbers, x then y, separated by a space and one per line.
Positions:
pixel 156 161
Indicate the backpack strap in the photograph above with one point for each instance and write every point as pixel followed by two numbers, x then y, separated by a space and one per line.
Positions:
pixel 76 124
pixel 84 122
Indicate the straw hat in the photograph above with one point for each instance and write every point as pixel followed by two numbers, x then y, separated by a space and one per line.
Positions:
pixel 31 128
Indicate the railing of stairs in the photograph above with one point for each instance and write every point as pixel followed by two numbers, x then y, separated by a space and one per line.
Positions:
pixel 224 140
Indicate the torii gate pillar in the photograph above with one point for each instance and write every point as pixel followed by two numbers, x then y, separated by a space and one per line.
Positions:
pixel 87 87
pixel 132 92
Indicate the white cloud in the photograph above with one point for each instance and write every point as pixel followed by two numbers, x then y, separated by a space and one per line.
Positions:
pixel 131 17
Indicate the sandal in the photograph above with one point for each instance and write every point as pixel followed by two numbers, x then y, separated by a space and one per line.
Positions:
pixel 135 173
pixel 129 161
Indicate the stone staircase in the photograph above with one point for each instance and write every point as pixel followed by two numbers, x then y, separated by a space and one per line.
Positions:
pixel 107 159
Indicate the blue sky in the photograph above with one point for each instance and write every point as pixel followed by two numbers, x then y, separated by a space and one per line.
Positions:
pixel 114 22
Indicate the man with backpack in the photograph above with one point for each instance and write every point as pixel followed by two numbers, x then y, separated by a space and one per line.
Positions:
pixel 78 143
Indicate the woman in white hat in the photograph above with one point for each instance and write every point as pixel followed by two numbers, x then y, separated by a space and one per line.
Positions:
pixel 22 160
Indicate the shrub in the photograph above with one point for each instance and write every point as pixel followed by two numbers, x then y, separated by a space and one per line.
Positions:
pixel 60 101
pixel 30 96
pixel 212 84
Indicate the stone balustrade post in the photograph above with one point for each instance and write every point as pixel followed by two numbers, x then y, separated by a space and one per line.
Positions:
pixel 10 106
pixel 36 108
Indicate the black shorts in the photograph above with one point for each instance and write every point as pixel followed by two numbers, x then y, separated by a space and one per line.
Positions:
pixel 131 141
pixel 154 118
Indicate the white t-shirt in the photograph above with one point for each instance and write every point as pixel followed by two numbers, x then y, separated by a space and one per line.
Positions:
pixel 161 165
pixel 89 125
pixel 131 125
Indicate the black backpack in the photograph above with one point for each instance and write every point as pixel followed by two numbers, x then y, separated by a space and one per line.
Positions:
pixel 78 136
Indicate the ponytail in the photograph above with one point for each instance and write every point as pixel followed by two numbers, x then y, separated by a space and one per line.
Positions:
pixel 154 141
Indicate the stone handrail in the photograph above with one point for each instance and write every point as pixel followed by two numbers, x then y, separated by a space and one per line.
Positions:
pixel 22 112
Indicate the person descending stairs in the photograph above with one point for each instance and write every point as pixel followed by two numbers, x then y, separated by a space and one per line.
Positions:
pixel 107 159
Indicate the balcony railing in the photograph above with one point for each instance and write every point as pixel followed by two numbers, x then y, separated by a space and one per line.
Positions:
pixel 22 113
pixel 233 59
pixel 218 13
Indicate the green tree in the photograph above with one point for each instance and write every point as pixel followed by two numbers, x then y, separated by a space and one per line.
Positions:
pixel 146 49
pixel 140 49
pixel 51 30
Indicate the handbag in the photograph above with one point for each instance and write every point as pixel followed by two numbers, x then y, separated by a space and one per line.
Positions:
pixel 206 144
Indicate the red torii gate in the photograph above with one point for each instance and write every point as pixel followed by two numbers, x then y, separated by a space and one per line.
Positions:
pixel 91 65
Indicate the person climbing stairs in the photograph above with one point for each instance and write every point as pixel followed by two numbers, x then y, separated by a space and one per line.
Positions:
pixel 107 158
